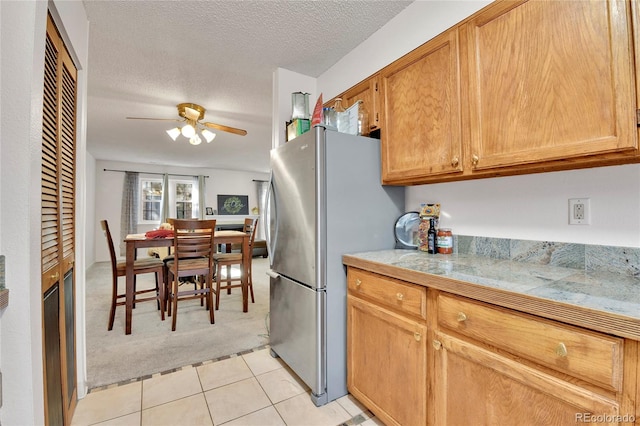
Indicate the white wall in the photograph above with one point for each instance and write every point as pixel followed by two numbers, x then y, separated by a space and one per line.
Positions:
pixel 21 355
pixel 524 207
pixel 108 194
pixel 420 21
pixel 22 38
pixel 535 207
pixel 90 229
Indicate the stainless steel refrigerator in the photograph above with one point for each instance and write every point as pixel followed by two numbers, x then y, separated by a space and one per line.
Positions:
pixel 325 200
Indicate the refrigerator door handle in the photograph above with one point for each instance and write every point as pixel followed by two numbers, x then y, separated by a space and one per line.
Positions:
pixel 271 241
pixel 273 274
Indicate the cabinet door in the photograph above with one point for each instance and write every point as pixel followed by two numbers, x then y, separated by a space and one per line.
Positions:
pixel 548 80
pixel 421 133
pixel 367 92
pixel 386 363
pixel 58 224
pixel 475 386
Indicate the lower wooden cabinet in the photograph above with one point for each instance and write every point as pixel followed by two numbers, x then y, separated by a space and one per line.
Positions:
pixel 420 356
pixel 593 357
pixel 478 386
pixel 386 362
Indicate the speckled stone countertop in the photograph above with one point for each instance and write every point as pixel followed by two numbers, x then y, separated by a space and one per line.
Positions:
pixel 594 298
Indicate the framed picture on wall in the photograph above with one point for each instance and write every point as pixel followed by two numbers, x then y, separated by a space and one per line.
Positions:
pixel 209 211
pixel 233 204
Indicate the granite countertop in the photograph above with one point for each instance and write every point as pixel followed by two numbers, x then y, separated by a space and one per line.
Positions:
pixel 599 300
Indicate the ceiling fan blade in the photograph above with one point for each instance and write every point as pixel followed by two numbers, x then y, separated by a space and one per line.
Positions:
pixel 158 119
pixel 225 128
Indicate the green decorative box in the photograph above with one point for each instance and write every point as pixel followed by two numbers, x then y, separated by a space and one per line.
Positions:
pixel 297 127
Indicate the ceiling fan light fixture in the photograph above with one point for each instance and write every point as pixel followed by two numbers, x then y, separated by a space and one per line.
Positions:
pixel 191 115
pixel 174 133
pixel 209 136
pixel 188 131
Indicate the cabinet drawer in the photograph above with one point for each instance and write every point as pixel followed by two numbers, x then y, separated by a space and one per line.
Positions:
pixel 587 355
pixel 411 299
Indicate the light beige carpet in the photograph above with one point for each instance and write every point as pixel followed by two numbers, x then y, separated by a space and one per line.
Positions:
pixel 152 347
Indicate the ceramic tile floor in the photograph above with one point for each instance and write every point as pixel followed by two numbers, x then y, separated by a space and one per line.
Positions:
pixel 245 389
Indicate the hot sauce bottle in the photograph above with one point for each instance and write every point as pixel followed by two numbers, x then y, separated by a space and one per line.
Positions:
pixel 445 241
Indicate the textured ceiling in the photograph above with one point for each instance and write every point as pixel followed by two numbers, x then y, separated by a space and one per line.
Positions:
pixel 147 56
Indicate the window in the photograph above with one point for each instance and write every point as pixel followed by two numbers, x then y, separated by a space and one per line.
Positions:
pixel 183 199
pixel 151 200
pixel 183 193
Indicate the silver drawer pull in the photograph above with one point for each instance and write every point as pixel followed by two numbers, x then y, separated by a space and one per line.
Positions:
pixel 400 296
pixel 462 317
pixel 358 282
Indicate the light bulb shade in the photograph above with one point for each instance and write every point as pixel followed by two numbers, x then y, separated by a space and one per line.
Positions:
pixel 209 136
pixel 195 140
pixel 174 133
pixel 188 131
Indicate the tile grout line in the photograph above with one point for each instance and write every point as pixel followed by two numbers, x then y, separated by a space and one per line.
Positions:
pixel 202 390
pixel 268 397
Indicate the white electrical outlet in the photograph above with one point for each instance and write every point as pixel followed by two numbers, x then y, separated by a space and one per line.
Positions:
pixel 579 211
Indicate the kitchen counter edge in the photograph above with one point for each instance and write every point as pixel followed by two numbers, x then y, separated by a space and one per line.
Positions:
pixel 582 316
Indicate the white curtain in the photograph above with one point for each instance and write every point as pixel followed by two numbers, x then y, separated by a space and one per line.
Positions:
pixel 129 208
pixel 164 204
pixel 198 198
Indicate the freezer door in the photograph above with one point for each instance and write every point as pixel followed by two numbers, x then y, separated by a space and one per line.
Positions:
pixel 295 332
pixel 293 210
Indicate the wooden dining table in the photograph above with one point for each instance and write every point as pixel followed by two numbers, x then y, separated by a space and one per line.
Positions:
pixel 136 241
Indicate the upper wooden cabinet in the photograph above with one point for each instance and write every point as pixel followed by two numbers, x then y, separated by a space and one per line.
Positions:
pixel 549 80
pixel 366 91
pixel 519 87
pixel 421 133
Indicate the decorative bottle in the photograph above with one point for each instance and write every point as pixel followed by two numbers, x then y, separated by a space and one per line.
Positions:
pixel 431 236
pixel 363 120
pixel 341 115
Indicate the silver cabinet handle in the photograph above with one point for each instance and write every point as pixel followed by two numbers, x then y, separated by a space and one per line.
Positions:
pixel 273 274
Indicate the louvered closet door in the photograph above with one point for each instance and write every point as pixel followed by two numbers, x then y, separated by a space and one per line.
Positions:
pixel 58 227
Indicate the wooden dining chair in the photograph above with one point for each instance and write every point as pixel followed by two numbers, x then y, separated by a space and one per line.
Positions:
pixel 227 260
pixel 140 266
pixel 193 249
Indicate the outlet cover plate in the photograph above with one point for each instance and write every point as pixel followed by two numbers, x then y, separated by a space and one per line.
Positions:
pixel 579 211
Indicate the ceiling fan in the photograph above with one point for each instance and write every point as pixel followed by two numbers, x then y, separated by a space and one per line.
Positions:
pixel 192 114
